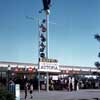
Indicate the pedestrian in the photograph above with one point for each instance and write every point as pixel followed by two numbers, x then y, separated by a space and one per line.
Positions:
pixel 78 85
pixel 70 83
pixel 31 91
pixel 76 82
pixel 73 82
pixel 26 89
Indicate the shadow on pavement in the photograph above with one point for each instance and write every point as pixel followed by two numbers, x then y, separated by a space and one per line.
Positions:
pixel 85 99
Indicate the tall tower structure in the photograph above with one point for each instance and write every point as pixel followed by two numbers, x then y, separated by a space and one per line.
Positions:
pixel 43 39
pixel 44 31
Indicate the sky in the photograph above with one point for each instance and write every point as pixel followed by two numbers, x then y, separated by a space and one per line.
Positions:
pixel 71 38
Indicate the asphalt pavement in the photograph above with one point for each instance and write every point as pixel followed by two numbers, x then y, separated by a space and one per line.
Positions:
pixel 87 94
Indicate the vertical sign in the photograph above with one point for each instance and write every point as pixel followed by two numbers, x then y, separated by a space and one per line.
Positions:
pixel 17 92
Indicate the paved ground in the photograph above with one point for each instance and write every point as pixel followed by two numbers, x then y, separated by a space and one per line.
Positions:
pixel 64 95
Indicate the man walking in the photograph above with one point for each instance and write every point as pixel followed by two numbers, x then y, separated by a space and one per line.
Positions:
pixel 26 89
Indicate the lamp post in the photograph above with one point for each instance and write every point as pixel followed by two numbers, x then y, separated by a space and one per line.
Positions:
pixel 9 68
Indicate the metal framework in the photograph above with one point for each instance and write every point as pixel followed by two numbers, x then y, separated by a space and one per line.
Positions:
pixel 43 40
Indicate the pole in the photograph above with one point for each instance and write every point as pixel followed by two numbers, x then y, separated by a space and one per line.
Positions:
pixel 47 74
pixel 39 81
pixel 8 76
pixel 47 34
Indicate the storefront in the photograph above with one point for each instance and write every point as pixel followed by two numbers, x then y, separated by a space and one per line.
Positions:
pixel 45 72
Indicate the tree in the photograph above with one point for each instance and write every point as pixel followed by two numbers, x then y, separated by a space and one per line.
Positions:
pixel 97 64
pixel 97 36
pixel 5 95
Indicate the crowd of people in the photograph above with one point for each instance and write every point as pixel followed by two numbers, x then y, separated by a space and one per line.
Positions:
pixel 67 83
pixel 74 83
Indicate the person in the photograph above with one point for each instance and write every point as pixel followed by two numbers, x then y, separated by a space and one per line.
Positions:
pixel 76 82
pixel 52 84
pixel 26 89
pixel 70 83
pixel 31 91
pixel 11 86
pixel 78 85
pixel 73 82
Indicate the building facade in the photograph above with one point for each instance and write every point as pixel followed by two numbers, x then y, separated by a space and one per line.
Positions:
pixel 16 69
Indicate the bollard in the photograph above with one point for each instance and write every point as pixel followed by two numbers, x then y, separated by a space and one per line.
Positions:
pixel 17 92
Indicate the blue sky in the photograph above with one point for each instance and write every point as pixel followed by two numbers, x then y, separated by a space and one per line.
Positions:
pixel 71 39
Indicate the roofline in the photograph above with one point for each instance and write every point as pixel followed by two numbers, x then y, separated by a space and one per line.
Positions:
pixel 32 64
pixel 18 63
pixel 76 66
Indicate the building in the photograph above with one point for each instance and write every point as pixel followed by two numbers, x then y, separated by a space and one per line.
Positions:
pixel 30 71
pixel 22 70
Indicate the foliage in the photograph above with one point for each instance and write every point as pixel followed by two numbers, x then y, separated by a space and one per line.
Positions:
pixel 97 64
pixel 5 95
